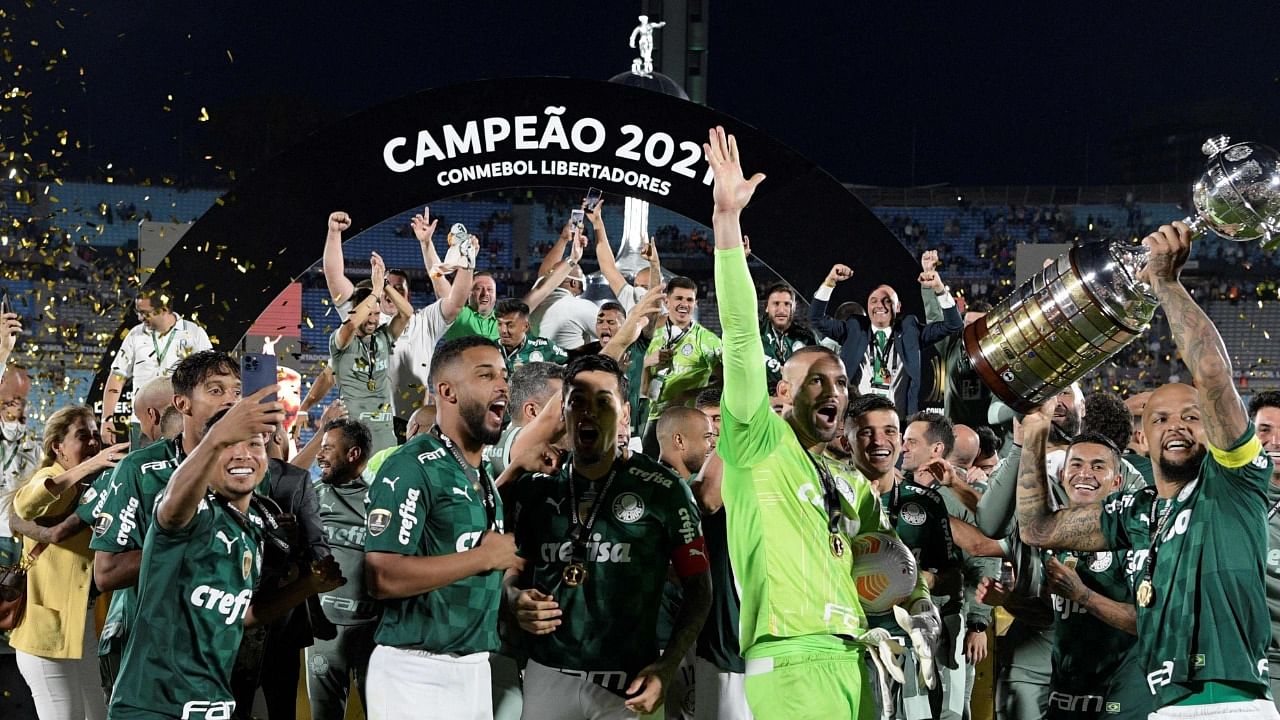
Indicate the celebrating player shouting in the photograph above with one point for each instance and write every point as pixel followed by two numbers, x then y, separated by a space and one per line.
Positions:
pixel 791 512
pixel 1199 536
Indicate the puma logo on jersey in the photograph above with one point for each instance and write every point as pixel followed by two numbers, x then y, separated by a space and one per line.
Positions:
pixel 128 523
pixel 461 491
pixel 391 482
pixel 208 710
pixel 228 541
pixel 695 552
pixel 555 503
pixel 231 607
pixel 408 516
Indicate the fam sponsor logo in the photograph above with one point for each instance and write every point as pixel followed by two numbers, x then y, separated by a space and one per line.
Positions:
pixel 157 465
pixel 231 606
pixel 208 709
pixel 1075 703
pixel 430 455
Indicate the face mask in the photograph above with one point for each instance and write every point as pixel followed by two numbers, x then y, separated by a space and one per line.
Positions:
pixel 12 430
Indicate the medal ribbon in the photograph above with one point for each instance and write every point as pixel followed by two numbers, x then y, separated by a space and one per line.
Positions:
pixel 830 495
pixel 489 492
pixel 1157 532
pixel 1275 507
pixel 370 352
pixel 879 354
pixel 579 531
pixel 672 340
pixel 161 353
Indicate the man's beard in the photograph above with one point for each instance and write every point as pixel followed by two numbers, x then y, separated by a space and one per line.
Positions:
pixel 473 415
pixel 1183 472
pixel 1069 428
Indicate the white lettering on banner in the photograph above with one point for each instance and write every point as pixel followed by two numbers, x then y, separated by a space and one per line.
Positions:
pixel 408 517
pixel 220 710
pixel 547 133
pixel 232 607
pixel 127 521
pixel 597 551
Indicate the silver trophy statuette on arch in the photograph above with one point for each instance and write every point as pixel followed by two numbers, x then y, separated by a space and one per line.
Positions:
pixel 1077 312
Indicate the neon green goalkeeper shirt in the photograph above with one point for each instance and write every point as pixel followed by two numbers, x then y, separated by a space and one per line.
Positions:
pixel 793 585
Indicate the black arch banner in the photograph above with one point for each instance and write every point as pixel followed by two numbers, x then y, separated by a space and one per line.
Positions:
pixel 499 134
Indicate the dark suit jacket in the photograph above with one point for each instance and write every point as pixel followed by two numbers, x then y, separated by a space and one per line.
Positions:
pixel 909 335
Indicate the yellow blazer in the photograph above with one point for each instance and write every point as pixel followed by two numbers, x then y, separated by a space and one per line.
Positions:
pixel 58 582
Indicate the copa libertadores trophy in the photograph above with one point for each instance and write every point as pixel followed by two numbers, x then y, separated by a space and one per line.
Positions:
pixel 1077 312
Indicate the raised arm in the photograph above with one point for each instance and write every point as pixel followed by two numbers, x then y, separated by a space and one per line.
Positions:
pixel 424 228
pixel 567 233
pixel 640 317
pixel 404 310
pixel 335 267
pixel 362 312
pixel 952 323
pixel 559 271
pixel 248 417
pixel 745 382
pixel 818 318
pixel 10 329
pixel 1078 527
pixel 604 253
pixel 1198 340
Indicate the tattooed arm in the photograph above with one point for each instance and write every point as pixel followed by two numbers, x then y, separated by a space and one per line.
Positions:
pixel 1072 528
pixel 1198 340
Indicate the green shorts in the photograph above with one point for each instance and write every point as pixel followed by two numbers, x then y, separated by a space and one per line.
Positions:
pixel 790 686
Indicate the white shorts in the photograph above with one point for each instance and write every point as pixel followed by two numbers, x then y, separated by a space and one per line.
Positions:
pixel 720 695
pixel 552 695
pixel 426 686
pixel 1251 710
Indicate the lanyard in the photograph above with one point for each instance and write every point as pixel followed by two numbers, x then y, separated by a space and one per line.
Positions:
pixel 484 485
pixel 831 500
pixel 161 353
pixel 515 350
pixel 1157 534
pixel 370 353
pixel 880 355
pixel 1275 507
pixel 7 461
pixel 580 531
pixel 271 527
pixel 671 341
pixel 780 345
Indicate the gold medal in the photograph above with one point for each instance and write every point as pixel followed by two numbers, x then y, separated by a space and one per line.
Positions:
pixel 886 378
pixel 574 574
pixel 837 545
pixel 1145 594
pixel 372 384
pixel 1070 562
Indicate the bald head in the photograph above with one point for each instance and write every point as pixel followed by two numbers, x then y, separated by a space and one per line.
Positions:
pixel 15 386
pixel 150 405
pixel 966 448
pixel 684 438
pixel 420 421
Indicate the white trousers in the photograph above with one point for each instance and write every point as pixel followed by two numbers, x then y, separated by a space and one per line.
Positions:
pixel 426 686
pixel 720 695
pixel 1252 710
pixel 66 689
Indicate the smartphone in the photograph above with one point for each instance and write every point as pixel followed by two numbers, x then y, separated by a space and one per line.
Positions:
pixel 578 217
pixel 257 371
pixel 593 198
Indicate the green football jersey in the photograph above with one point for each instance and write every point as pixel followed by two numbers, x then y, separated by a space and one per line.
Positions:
pixel 1091 658
pixel 364 361
pixel 194 592
pixel 792 584
pixel 919 516
pixel 533 349
pixel 1209 573
pixel 343 516
pixel 121 520
pixel 424 504
pixel 695 353
pixel 779 347
pixel 633 365
pixel 645 522
pixel 470 322
pixel 718 641
pixel 498 455
pixel 1142 464
pixel 1273 578
pixel 92 498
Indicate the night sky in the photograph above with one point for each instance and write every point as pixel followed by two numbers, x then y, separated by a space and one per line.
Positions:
pixel 884 93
